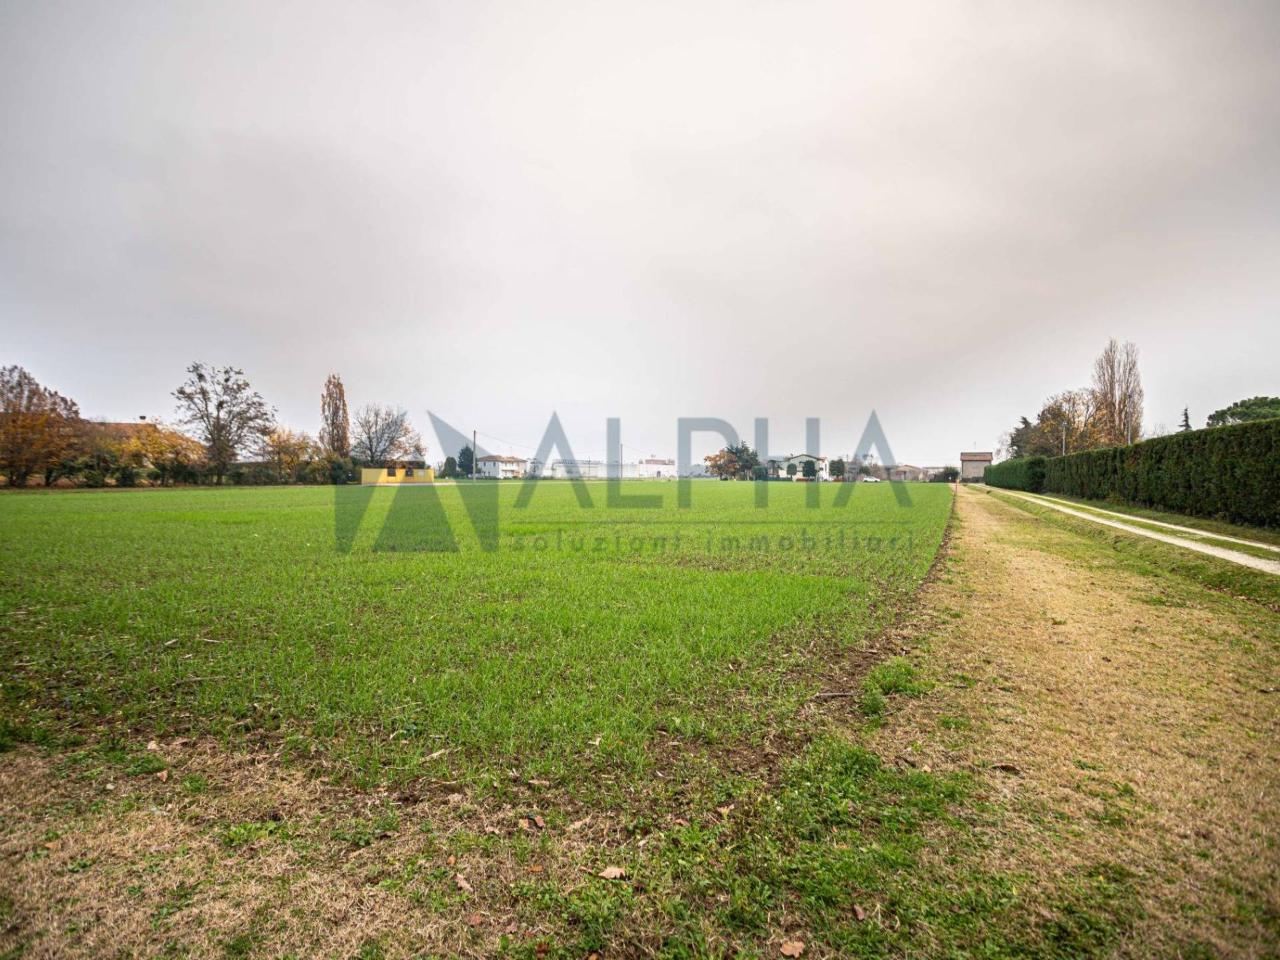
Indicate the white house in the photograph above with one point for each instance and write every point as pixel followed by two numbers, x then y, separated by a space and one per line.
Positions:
pixel 800 459
pixel 501 468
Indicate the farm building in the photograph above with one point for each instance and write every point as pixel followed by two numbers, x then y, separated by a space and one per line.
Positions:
pixel 501 468
pixel 577 469
pixel 396 475
pixel 654 467
pixel 972 465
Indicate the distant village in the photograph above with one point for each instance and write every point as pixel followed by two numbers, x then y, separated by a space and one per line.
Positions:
pixel 500 467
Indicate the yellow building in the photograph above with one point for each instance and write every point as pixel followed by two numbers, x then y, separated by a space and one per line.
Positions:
pixel 391 476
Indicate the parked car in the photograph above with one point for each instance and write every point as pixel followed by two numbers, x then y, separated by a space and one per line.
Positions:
pixel 870 479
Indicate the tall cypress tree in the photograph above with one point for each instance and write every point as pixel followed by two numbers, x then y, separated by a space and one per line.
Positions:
pixel 335 424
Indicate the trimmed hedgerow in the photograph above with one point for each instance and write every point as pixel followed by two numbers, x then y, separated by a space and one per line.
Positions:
pixel 1230 473
pixel 1025 473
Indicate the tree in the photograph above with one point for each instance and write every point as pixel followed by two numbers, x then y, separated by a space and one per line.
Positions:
pixel 722 464
pixel 285 449
pixel 384 434
pixel 791 469
pixel 449 469
pixel 810 469
pixel 1242 411
pixel 837 469
pixel 747 459
pixel 1067 423
pixel 38 426
pixel 1018 441
pixel 466 460
pixel 1185 425
pixel 1117 394
pixel 735 460
pixel 947 474
pixel 1072 415
pixel 226 412
pixel 335 425
pixel 170 454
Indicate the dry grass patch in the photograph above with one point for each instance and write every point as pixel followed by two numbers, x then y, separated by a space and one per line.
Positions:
pixel 1122 718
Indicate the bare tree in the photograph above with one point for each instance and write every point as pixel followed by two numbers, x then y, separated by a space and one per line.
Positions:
pixel 384 434
pixel 38 426
pixel 226 412
pixel 1117 394
pixel 335 429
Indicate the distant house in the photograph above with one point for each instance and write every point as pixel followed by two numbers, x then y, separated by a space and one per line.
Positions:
pixel 906 472
pixel 501 468
pixel 800 459
pixel 396 475
pixel 973 465
pixel 654 467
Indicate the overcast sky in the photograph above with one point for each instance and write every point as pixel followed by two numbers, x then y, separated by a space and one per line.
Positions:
pixel 644 210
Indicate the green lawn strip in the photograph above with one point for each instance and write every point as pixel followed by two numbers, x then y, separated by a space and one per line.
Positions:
pixel 1175 572
pixel 1208 526
pixel 1205 537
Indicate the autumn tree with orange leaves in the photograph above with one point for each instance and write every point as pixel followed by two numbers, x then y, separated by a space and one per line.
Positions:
pixel 38 426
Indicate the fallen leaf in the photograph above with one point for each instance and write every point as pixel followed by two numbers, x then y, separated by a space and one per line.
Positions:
pixel 792 948
pixel 475 920
pixel 579 824
pixel 1007 768
pixel 462 883
pixel 724 812
pixel 525 825
pixel 539 783
pixel 511 928
pixel 451 861
pixel 859 913
pixel 680 822
pixel 539 822
pixel 536 868
pixel 612 873
pixel 163 776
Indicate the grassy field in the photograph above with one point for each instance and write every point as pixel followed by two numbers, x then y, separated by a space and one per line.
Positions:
pixel 317 617
pixel 265 724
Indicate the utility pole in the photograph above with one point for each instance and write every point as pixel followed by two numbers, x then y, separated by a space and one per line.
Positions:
pixel 473 454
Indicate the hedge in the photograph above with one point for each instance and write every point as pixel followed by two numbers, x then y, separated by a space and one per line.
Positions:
pixel 1026 473
pixel 1231 473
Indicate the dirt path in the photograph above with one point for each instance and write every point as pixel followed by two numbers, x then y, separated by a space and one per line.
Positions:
pixel 1222 553
pixel 1124 719
pixel 1148 521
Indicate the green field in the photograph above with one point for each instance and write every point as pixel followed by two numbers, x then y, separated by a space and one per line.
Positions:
pixel 315 617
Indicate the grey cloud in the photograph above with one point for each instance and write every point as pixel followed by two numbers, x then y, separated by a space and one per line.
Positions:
pixel 493 210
